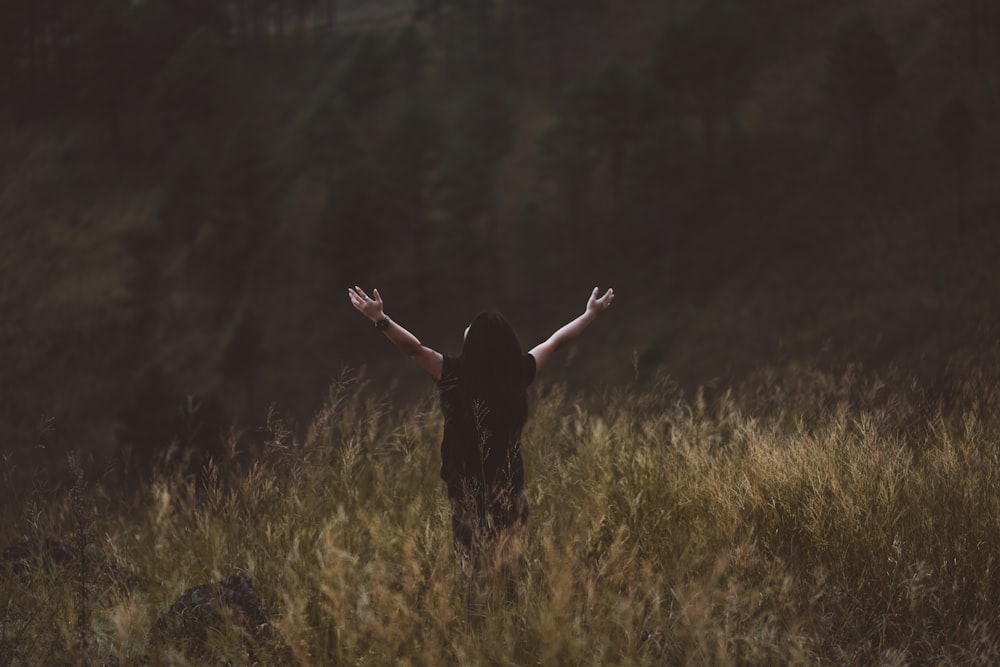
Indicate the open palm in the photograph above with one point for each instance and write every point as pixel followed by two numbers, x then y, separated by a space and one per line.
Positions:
pixel 597 304
pixel 367 306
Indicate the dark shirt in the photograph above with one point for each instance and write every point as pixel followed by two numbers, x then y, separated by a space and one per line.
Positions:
pixel 490 455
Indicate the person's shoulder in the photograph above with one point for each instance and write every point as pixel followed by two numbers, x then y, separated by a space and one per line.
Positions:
pixel 529 367
pixel 450 367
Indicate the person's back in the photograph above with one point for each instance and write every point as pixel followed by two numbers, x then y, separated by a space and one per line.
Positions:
pixel 484 402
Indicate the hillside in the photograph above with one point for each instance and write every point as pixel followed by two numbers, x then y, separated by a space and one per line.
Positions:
pixel 176 265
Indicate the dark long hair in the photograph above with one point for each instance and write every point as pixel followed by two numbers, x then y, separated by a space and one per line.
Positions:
pixel 492 377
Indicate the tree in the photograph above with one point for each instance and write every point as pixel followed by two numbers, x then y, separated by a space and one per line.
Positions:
pixel 543 26
pixel 463 190
pixel 163 27
pixel 706 65
pixel 570 154
pixel 354 222
pixel 408 56
pixel 615 105
pixel 44 51
pixel 279 15
pixel 187 193
pixel 19 25
pixel 972 30
pixel 303 8
pixel 444 17
pixel 478 36
pixel 107 76
pixel 957 133
pixel 862 86
pixel 969 21
pixel 331 15
pixel 658 181
pixel 599 120
pixel 252 17
pixel 365 78
pixel 189 16
pixel 244 209
pixel 192 93
pixel 480 40
pixel 328 138
pixel 406 158
pixel 145 254
pixel 242 356
pixel 483 134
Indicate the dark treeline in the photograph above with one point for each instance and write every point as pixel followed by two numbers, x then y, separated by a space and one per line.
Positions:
pixel 449 152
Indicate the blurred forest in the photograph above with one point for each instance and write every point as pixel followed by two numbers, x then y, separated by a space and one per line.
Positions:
pixel 187 187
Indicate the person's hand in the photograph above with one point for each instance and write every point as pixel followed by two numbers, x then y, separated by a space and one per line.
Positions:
pixel 370 308
pixel 596 305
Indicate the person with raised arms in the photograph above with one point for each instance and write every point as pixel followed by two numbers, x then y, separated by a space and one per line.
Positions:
pixel 483 395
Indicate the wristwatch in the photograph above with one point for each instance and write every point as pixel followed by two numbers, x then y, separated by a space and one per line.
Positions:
pixel 383 323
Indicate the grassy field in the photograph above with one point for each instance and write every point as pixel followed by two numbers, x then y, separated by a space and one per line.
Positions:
pixel 800 518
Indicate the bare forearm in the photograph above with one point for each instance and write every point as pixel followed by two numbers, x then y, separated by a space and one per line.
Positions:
pixel 428 359
pixel 568 332
pixel 571 330
pixel 403 339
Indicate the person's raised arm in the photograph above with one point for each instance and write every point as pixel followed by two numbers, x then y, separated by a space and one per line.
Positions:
pixel 428 359
pixel 544 351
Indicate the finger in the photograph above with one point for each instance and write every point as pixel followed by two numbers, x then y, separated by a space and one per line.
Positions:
pixel 362 293
pixel 358 300
pixel 378 299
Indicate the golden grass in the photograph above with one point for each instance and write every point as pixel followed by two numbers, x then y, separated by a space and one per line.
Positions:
pixel 802 519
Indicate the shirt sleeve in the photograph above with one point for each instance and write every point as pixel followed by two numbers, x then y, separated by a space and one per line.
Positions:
pixel 529 369
pixel 449 373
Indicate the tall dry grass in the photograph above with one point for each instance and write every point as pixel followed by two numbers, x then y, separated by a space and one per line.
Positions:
pixel 803 518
